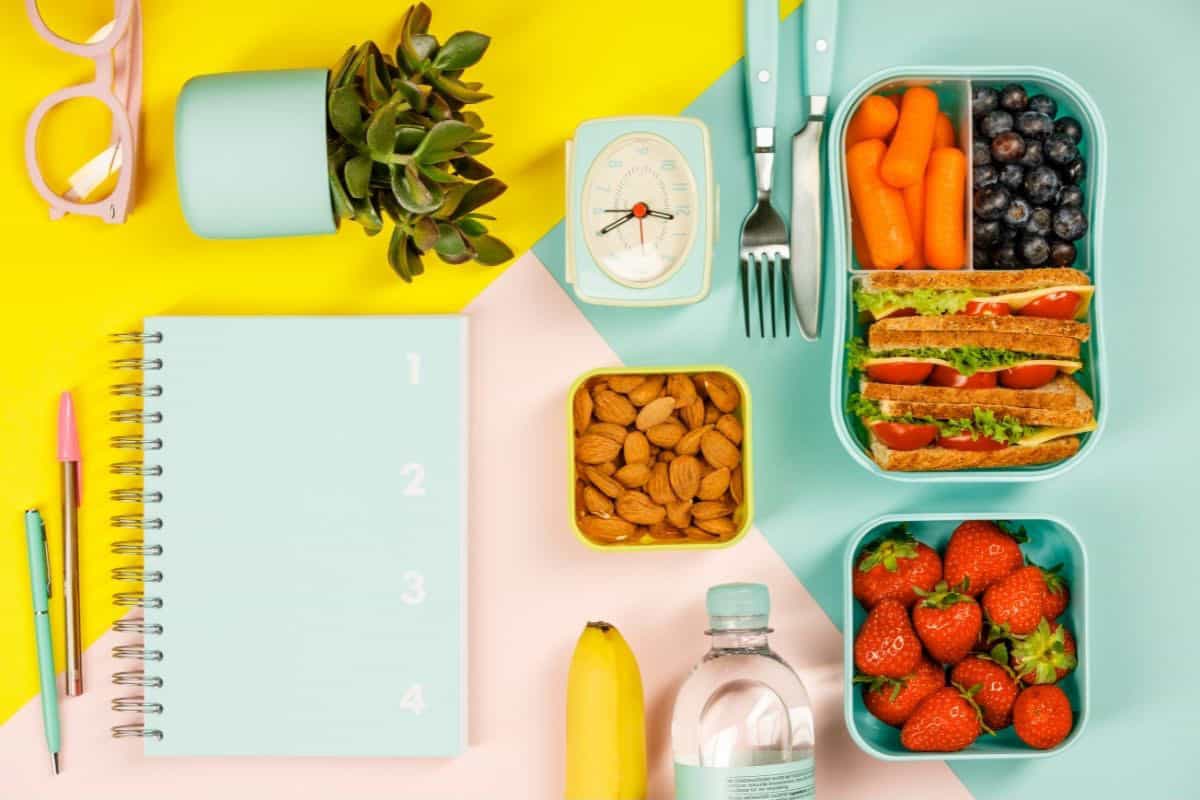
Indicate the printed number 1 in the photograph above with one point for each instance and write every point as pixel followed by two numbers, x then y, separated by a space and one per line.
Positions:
pixel 413 700
pixel 414 368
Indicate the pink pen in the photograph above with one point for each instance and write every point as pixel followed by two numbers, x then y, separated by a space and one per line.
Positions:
pixel 71 460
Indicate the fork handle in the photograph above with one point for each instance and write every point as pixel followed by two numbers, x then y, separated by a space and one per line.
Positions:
pixel 762 62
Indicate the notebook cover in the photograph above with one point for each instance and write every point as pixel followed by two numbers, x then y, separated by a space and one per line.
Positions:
pixel 314 531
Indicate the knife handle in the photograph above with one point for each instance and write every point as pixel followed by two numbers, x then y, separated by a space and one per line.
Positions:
pixel 820 32
pixel 762 60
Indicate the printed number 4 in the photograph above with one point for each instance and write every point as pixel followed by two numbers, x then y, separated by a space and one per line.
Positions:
pixel 413 700
pixel 416 483
pixel 414 591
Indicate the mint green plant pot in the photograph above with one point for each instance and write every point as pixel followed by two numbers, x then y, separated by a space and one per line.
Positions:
pixel 250 154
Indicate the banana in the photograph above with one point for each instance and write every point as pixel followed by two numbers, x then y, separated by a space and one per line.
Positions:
pixel 606 725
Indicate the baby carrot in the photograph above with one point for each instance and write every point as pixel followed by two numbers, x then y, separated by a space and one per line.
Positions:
pixel 943 131
pixel 862 253
pixel 874 119
pixel 908 153
pixel 945 185
pixel 914 205
pixel 894 99
pixel 880 207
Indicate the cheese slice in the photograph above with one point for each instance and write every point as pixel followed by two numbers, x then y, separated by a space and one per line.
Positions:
pixel 1063 365
pixel 1018 300
pixel 1044 435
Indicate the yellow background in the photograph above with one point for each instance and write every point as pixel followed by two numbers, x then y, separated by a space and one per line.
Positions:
pixel 69 283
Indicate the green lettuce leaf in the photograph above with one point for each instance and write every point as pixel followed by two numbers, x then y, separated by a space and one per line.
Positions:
pixel 926 302
pixel 967 360
pixel 983 424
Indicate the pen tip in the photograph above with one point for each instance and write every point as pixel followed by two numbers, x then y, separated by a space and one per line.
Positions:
pixel 54 762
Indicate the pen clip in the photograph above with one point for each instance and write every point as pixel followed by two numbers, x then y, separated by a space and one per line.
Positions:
pixel 46 553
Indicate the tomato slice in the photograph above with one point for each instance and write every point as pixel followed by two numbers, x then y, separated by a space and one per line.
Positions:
pixel 982 308
pixel 949 376
pixel 904 435
pixel 964 441
pixel 909 372
pixel 900 312
pixel 1030 376
pixel 1056 305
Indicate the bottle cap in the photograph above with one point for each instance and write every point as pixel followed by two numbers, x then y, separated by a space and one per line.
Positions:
pixel 738 606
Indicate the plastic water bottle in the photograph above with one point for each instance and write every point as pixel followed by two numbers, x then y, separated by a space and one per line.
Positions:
pixel 743 724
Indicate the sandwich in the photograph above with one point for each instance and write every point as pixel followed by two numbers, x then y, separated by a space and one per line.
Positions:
pixel 1061 293
pixel 956 390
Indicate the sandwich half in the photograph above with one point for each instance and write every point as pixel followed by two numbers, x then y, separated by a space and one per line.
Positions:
pixel 1061 293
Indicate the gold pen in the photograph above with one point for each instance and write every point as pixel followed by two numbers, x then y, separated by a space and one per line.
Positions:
pixel 71 461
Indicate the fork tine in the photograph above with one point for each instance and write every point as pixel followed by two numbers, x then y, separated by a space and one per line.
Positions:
pixel 785 271
pixel 758 289
pixel 745 280
pixel 771 286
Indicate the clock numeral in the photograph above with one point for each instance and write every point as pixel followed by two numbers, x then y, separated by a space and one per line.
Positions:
pixel 643 150
pixel 668 165
pixel 416 484
pixel 597 210
pixel 615 163
pixel 413 700
pixel 682 211
pixel 414 588
pixel 603 188
pixel 679 187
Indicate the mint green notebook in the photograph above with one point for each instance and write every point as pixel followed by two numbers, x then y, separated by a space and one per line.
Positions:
pixel 313 508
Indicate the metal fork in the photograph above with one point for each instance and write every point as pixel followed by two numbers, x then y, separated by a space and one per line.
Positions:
pixel 764 234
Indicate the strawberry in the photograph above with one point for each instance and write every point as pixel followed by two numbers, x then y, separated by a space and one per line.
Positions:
pixel 948 622
pixel 893 700
pixel 996 682
pixel 1057 594
pixel 892 565
pixel 1042 716
pixel 886 644
pixel 946 721
pixel 1014 604
pixel 1044 656
pixel 982 553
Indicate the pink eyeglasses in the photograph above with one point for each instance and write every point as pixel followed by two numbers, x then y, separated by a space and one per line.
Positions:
pixel 116 50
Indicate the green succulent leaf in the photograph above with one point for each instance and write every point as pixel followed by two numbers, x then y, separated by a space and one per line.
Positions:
pixel 457 90
pixel 338 75
pixel 461 50
pixel 471 169
pixel 415 22
pixel 437 174
pixel 417 95
pixel 367 215
pixel 381 130
pixel 454 195
pixel 471 227
pixel 442 138
pixel 473 119
pixel 408 138
pixel 476 148
pixel 345 113
pixel 490 251
pixel 451 246
pixel 425 233
pixel 479 195
pixel 358 176
pixel 398 253
pixel 378 87
pixel 426 46
pixel 412 192
pixel 342 205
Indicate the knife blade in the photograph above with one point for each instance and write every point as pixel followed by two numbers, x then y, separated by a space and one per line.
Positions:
pixel 816 65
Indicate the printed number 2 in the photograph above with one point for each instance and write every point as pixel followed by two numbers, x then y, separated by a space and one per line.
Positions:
pixel 416 484
pixel 414 368
pixel 414 591
pixel 413 700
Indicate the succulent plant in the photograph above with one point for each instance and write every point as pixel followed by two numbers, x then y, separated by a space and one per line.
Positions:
pixel 402 146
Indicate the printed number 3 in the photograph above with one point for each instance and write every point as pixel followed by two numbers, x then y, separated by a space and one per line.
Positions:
pixel 413 700
pixel 414 593
pixel 416 475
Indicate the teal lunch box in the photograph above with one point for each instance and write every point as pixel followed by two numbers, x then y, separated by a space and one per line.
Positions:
pixel 953 86
pixel 1051 541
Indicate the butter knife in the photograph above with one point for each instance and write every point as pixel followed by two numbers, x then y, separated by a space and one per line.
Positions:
pixel 816 65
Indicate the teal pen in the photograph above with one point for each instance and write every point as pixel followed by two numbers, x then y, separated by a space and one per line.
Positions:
pixel 39 578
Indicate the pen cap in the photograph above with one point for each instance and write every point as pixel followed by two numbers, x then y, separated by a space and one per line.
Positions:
pixel 68 433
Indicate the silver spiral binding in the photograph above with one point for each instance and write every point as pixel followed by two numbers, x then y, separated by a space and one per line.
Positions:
pixel 136 573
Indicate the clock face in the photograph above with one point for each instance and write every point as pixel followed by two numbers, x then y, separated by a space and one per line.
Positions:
pixel 639 209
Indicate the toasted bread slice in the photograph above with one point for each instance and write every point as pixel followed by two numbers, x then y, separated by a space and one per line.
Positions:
pixel 940 459
pixel 1000 281
pixel 1009 326
pixel 1081 414
pixel 1061 394
pixel 882 340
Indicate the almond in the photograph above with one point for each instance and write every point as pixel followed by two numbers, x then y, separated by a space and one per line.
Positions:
pixel 714 484
pixel 593 449
pixel 730 428
pixel 596 503
pixel 582 407
pixel 608 467
pixel 633 476
pixel 667 456
pixel 666 434
pixel 647 390
pixel 625 383
pixel 736 488
pixel 721 526
pixel 659 485
pixel 639 509
pixel 719 451
pixel 609 430
pixel 611 529
pixel 637 448
pixel 711 414
pixel 655 412
pixel 680 514
pixel 612 407
pixel 708 510
pixel 693 415
pixel 680 387
pixel 603 482
pixel 721 390
pixel 689 444
pixel 695 534
pixel 684 473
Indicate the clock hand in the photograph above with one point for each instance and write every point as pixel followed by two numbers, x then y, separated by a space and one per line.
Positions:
pixel 616 223
pixel 639 211
pixel 660 214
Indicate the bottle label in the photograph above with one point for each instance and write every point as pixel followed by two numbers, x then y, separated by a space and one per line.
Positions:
pixel 791 780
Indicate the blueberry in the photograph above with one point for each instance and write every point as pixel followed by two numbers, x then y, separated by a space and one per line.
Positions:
pixel 1042 185
pixel 1069 127
pixel 1008 235
pixel 984 175
pixel 1034 124
pixel 991 201
pixel 982 259
pixel 1040 221
pixel 983 100
pixel 1059 149
pixel 1043 104
pixel 1062 254
pixel 1004 255
pixel 995 123
pixel 1012 177
pixel 1017 213
pixel 981 152
pixel 1074 172
pixel 1035 251
pixel 987 232
pixel 1013 98
pixel 1071 196
pixel 1070 223
pixel 1008 147
pixel 1033 154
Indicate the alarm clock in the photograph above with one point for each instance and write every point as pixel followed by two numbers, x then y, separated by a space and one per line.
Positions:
pixel 640 223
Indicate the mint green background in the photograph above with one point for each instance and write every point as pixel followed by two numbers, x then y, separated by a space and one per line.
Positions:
pixel 1131 499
